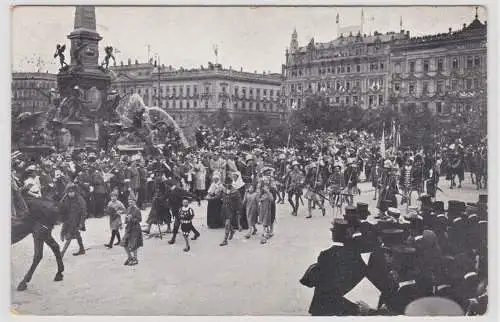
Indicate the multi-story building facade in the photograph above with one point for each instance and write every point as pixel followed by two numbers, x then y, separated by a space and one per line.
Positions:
pixel 446 72
pixel 133 78
pixel 31 92
pixel 182 92
pixel 350 70
pixel 205 90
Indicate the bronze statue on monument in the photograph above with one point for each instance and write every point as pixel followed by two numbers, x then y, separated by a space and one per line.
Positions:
pixel 109 55
pixel 60 53
pixel 77 53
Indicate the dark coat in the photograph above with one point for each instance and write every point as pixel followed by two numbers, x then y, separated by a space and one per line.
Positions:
pixel 336 272
pixel 73 211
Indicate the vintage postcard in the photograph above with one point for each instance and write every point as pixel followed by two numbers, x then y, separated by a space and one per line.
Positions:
pixel 249 160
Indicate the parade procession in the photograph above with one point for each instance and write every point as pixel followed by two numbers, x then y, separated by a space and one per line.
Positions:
pixel 299 207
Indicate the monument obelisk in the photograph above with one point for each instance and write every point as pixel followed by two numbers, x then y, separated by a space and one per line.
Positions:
pixel 84 75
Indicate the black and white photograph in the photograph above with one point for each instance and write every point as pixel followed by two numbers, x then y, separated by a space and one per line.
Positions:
pixel 249 160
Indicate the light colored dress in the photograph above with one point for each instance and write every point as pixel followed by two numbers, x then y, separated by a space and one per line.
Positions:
pixel 251 203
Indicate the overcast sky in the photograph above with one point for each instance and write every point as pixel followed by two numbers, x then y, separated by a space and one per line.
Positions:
pixel 252 38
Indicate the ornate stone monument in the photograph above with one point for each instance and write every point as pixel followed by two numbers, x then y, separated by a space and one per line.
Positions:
pixel 83 85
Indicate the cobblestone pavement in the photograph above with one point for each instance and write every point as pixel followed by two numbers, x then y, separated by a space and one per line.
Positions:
pixel 243 278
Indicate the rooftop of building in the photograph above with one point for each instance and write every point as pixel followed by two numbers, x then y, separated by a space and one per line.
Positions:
pixel 476 27
pixel 33 75
pixel 210 68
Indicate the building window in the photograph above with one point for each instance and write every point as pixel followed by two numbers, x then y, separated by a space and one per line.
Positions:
pixel 236 91
pixel 187 104
pixel 347 100
pixel 397 87
pixel 358 84
pixel 358 68
pixel 188 91
pixel 454 84
pixel 477 61
pixel 440 86
pixel 251 92
pixel 455 64
pixel 425 105
pixel 476 83
pixel 440 65
pixel 195 90
pixel 381 100
pixel 381 66
pixel 206 104
pixel 425 87
pixel 439 107
pixel 412 67
pixel 207 90
pixel 469 62
pixel 195 104
pixel 411 88
pixel 348 85
pixel 371 99
pixel 468 83
pixel 355 99
pixel 235 106
pixel 271 92
pixel 337 100
pixel 348 68
pixel 426 66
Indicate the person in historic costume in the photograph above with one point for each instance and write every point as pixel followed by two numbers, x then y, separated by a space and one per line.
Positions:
pixel 99 190
pixel 251 204
pixel 390 188
pixel 175 196
pixel 266 200
pixel 375 178
pixel 315 184
pixel 73 210
pixel 406 181
pixel 351 180
pixel 231 207
pixel 239 185
pixel 115 209
pixel 186 215
pixel 294 181
pixel 200 174
pixel 337 270
pixel 214 197
pixel 159 213
pixel 132 240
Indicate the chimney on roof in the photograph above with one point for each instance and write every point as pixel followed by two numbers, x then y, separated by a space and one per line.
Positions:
pixel 408 33
pixel 129 62
pixel 465 25
pixel 241 69
pixel 121 63
pixel 449 30
pixel 136 62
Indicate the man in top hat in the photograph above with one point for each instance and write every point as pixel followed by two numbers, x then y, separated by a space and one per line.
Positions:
pixel 337 270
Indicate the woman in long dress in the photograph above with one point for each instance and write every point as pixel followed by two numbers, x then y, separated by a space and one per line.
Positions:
pixel 214 195
pixel 200 173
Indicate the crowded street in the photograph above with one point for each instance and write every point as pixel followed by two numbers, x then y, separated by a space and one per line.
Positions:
pixel 339 178
pixel 230 280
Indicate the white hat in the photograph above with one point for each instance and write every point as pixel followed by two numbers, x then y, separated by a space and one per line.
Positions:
pixel 294 163
pixel 31 168
pixel 387 163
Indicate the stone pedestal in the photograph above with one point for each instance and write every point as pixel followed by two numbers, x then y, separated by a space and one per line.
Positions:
pixel 92 81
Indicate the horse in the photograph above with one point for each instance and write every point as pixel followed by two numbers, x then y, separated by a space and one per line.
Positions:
pixel 26 221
